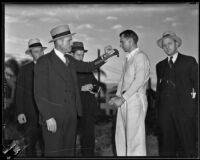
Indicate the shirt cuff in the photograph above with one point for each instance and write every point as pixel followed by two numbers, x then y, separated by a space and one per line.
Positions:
pixel 102 57
pixel 124 97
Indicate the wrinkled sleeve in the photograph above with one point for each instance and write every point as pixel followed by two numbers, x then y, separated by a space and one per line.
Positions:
pixel 20 92
pixel 86 66
pixel 41 88
pixel 140 71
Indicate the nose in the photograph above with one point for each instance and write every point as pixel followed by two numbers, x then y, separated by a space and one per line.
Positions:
pixel 166 47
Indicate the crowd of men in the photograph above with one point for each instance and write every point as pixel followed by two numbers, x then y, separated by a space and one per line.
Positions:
pixel 55 97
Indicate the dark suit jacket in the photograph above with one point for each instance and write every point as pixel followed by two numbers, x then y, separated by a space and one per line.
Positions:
pixel 186 71
pixel 25 102
pixel 51 91
pixel 83 79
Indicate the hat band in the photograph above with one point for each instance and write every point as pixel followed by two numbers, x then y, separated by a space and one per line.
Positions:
pixel 61 34
pixel 78 48
pixel 35 45
pixel 167 35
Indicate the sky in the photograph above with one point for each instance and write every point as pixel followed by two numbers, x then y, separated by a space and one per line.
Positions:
pixel 98 25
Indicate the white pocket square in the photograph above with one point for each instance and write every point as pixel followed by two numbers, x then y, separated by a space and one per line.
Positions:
pixel 193 93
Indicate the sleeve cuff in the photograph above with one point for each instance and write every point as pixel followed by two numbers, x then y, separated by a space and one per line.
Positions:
pixel 105 60
pixel 124 96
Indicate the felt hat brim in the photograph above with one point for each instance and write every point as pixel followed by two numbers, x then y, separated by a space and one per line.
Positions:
pixel 61 37
pixel 176 38
pixel 28 50
pixel 73 50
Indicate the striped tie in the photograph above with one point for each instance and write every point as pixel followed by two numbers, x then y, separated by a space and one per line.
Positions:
pixel 67 60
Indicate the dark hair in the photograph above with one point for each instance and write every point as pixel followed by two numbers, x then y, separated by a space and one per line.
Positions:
pixel 130 34
pixel 13 65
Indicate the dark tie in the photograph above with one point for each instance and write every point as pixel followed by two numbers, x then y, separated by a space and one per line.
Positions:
pixel 67 60
pixel 170 62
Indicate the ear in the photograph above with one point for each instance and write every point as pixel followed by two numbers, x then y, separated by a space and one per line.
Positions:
pixel 176 43
pixel 59 41
pixel 131 41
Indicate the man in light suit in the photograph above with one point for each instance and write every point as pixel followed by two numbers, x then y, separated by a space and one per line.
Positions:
pixel 57 93
pixel 176 98
pixel 131 98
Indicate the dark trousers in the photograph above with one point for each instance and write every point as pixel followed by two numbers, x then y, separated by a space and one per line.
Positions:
pixel 86 131
pixel 33 135
pixel 62 142
pixel 177 130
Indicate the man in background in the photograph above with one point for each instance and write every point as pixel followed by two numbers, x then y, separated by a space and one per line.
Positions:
pixel 176 98
pixel 87 82
pixel 27 112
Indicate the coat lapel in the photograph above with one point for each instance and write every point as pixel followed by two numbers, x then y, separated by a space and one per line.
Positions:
pixel 177 63
pixel 58 65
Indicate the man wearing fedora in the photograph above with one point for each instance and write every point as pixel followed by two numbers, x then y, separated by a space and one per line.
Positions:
pixel 176 98
pixel 87 121
pixel 27 112
pixel 57 93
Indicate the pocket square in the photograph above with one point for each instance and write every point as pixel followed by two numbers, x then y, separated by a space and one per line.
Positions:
pixel 193 93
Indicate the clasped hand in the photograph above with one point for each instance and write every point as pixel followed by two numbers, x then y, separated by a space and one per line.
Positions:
pixel 116 101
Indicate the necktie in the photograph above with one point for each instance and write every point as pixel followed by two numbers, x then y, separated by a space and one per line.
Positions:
pixel 67 60
pixel 170 62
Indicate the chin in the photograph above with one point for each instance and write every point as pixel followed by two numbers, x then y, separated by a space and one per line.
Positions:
pixel 169 53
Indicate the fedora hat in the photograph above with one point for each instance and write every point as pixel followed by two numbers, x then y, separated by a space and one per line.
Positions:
pixel 169 34
pixel 60 32
pixel 34 43
pixel 78 46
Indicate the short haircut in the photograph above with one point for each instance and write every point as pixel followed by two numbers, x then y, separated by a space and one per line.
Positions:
pixel 130 34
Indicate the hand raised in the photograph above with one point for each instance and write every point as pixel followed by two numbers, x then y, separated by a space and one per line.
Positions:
pixel 107 49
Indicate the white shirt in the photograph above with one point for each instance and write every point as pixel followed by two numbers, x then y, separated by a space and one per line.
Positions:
pixel 174 57
pixel 60 55
pixel 132 53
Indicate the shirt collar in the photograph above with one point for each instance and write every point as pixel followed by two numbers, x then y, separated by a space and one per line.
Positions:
pixel 34 62
pixel 132 53
pixel 174 57
pixel 60 55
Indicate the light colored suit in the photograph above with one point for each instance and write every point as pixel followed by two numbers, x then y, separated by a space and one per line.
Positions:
pixel 130 127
